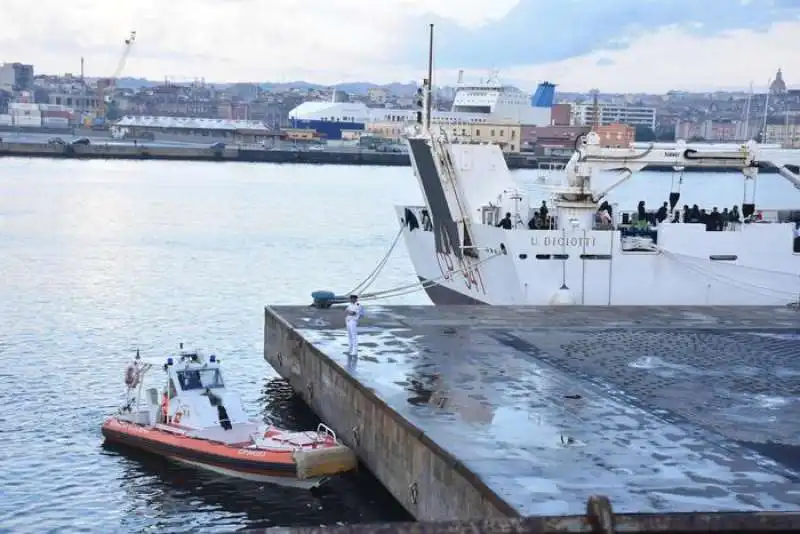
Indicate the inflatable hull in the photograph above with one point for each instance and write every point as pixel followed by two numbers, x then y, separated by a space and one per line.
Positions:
pixel 302 468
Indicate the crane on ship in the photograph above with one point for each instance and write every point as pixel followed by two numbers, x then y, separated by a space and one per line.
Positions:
pixel 106 86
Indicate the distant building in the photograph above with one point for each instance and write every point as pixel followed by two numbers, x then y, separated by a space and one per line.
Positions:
pixel 340 96
pixel 508 136
pixel 378 95
pixel 778 86
pixel 393 131
pixel 710 130
pixel 237 111
pixel 559 138
pixel 210 130
pixel 561 115
pixel 16 77
pixel 329 118
pixel 81 102
pixel 583 115
pixel 787 135
pixel 300 134
pixel 616 135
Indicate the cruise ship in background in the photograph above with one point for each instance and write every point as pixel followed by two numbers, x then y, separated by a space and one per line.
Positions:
pixel 487 102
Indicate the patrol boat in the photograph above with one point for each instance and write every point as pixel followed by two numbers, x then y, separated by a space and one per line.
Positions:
pixel 196 420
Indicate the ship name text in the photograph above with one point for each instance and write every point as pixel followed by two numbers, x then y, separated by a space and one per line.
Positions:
pixel 561 241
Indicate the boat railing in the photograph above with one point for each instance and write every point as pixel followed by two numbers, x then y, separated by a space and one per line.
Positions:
pixel 324 432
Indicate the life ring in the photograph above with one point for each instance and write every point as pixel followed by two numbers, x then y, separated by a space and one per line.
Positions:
pixel 177 418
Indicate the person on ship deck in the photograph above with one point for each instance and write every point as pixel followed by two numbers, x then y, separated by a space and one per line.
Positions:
pixel 505 223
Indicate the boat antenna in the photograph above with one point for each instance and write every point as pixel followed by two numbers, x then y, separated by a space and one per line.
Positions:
pixel 429 87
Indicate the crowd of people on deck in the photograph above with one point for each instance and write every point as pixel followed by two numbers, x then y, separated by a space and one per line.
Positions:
pixel 714 220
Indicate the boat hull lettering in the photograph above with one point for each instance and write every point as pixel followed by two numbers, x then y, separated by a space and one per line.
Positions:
pixel 564 241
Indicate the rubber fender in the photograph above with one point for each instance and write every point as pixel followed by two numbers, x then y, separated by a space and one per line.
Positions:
pixel 329 461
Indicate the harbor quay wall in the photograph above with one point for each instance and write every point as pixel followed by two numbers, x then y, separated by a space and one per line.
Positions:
pixel 147 150
pixel 428 481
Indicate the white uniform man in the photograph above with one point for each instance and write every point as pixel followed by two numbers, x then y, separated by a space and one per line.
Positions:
pixel 353 313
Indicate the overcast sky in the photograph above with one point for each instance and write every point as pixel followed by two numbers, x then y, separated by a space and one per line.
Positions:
pixel 612 45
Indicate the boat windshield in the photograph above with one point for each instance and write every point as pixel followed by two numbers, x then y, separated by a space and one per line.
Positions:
pixel 200 379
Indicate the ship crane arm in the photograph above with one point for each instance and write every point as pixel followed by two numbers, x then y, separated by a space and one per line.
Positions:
pixel 590 156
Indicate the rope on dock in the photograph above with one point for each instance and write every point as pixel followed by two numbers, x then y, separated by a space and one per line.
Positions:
pixel 326 299
pixel 371 277
pixel 419 286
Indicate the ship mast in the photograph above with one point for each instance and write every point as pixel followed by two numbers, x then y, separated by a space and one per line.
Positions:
pixel 429 84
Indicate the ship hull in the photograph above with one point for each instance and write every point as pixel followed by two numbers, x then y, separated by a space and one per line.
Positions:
pixel 240 460
pixel 596 269
pixel 444 296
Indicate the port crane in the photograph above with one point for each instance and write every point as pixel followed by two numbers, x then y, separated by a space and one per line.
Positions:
pixel 105 86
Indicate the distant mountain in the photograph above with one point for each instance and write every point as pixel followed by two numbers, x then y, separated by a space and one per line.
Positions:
pixel 359 88
pixel 135 83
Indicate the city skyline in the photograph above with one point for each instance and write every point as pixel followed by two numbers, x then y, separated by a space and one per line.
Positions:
pixel 626 47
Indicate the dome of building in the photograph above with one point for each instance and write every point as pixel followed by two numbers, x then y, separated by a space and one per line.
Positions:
pixel 778 86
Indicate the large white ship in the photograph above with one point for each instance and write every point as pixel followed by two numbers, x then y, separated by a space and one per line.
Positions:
pixel 574 254
pixel 577 253
pixel 488 101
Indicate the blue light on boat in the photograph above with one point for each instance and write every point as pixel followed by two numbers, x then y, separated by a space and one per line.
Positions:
pixel 212 358
pixel 169 361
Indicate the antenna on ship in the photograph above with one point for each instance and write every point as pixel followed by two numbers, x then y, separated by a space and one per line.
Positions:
pixel 424 99
pixel 429 85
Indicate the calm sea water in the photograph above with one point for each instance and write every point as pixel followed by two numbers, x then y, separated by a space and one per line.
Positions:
pixel 100 258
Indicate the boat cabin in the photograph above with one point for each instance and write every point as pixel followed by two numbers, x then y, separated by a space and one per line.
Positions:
pixel 193 396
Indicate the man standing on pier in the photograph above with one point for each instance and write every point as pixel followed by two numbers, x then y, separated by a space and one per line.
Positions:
pixel 353 313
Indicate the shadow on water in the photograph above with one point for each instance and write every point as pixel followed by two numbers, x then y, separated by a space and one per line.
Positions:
pixel 179 498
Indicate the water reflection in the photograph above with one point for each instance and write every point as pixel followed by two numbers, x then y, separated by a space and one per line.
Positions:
pixel 452 386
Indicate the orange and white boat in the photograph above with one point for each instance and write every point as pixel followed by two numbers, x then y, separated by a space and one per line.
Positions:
pixel 196 420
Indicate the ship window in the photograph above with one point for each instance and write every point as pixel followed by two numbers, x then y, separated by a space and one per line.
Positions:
pixel 543 256
pixel 595 256
pixel 199 379
pixel 560 256
pixel 723 257
pixel 523 256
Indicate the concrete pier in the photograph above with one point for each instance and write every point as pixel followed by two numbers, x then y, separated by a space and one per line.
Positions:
pixel 487 412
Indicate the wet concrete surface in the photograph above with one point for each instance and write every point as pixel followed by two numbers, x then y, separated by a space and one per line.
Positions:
pixel 660 409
